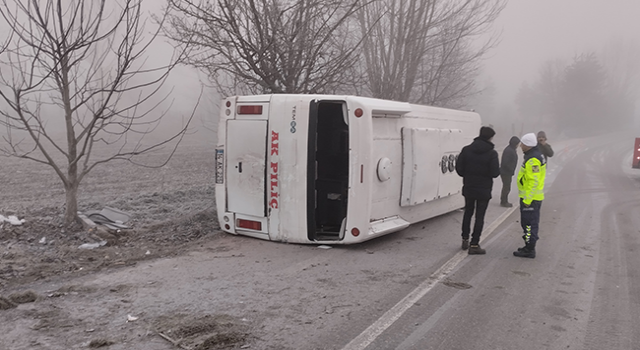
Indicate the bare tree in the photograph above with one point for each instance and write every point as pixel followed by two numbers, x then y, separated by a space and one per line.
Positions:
pixel 548 87
pixel 422 51
pixel 268 46
pixel 538 101
pixel 79 67
pixel 621 59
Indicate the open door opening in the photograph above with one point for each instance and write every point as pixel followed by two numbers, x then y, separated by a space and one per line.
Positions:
pixel 328 170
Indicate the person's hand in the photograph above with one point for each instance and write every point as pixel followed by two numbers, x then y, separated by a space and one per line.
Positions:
pixel 542 141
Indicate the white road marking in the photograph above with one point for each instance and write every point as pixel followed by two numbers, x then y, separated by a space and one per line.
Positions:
pixel 372 332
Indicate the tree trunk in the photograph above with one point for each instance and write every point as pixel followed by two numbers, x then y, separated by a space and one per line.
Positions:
pixel 71 211
pixel 71 189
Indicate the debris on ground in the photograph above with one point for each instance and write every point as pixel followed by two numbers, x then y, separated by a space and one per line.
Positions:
pixel 98 343
pixel 92 245
pixel 12 219
pixel 111 218
pixel 103 225
pixel 208 332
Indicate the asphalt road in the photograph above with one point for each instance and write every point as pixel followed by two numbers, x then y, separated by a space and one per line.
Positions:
pixel 581 292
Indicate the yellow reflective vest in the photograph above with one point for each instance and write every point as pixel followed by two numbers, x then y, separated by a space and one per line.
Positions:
pixel 531 176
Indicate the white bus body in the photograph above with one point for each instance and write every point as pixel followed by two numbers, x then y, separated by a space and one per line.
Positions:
pixel 326 169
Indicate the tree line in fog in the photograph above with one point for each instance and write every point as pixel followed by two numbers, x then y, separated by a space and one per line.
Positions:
pixel 591 94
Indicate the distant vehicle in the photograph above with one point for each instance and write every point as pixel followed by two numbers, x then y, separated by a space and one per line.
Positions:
pixel 326 169
pixel 635 162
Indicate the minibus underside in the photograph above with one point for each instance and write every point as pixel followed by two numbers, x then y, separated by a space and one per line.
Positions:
pixel 328 170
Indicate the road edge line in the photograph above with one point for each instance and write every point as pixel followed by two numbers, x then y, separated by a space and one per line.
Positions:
pixel 367 337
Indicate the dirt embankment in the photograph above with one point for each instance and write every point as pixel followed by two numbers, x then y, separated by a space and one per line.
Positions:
pixel 173 211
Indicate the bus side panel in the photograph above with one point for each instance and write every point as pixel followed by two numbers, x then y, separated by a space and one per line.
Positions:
pixel 455 130
pixel 420 165
pixel 449 183
pixel 287 197
pixel 387 144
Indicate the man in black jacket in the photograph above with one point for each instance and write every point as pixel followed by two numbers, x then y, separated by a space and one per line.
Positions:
pixel 508 165
pixel 478 165
pixel 543 146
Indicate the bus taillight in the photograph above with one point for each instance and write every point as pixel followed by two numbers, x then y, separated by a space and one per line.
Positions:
pixel 355 232
pixel 248 224
pixel 250 110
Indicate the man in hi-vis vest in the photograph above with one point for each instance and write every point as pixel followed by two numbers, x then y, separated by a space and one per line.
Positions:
pixel 531 190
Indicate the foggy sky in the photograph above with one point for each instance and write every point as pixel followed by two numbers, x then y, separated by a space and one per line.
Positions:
pixel 534 31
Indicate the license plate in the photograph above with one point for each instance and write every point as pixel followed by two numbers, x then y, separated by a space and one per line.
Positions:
pixel 219 166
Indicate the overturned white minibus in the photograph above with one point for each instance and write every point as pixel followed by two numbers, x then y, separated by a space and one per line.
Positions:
pixel 326 169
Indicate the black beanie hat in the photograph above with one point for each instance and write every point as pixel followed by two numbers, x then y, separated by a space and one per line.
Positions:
pixel 486 133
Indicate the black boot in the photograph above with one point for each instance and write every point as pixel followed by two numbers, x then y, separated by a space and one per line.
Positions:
pixel 528 251
pixel 474 249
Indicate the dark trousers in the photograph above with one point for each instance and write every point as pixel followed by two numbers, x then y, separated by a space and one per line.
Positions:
pixel 506 188
pixel 480 207
pixel 530 220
